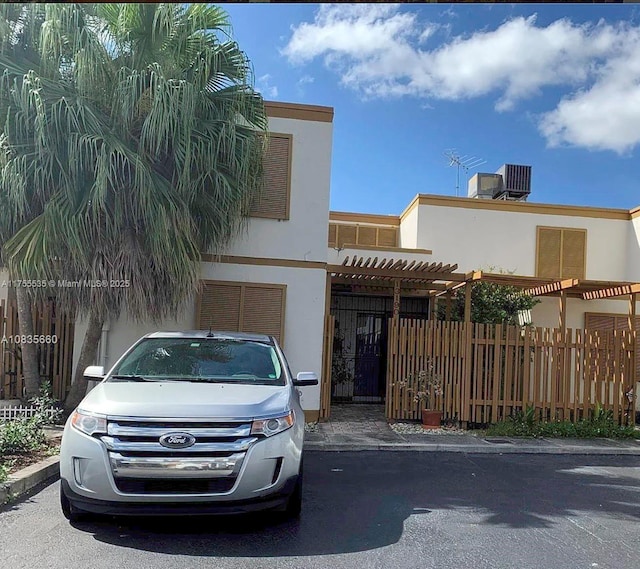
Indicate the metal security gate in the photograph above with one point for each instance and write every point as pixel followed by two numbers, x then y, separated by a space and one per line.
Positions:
pixel 359 359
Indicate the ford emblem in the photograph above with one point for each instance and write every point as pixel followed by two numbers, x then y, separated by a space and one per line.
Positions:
pixel 177 440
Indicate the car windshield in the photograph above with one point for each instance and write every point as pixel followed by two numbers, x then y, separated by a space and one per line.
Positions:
pixel 215 360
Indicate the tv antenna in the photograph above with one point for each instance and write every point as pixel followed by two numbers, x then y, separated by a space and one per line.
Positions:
pixel 465 162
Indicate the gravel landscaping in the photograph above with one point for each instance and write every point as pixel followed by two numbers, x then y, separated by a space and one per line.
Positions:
pixel 418 429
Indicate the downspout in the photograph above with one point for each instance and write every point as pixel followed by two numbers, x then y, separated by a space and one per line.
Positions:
pixel 104 357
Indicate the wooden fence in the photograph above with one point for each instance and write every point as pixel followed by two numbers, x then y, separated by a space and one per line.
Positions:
pixel 490 372
pixel 54 356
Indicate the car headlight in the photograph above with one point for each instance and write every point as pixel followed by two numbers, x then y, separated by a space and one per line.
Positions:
pixel 270 427
pixel 89 423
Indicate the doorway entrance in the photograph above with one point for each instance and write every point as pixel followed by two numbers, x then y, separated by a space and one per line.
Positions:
pixel 359 358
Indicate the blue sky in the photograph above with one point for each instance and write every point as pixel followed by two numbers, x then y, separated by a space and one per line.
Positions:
pixel 553 86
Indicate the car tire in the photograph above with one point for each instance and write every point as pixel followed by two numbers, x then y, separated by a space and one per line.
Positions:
pixel 69 511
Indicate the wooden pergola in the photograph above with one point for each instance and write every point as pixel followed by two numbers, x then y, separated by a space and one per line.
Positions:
pixel 403 277
pixel 583 289
pixel 400 277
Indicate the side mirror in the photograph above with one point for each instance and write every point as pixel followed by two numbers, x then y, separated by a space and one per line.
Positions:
pixel 305 378
pixel 94 373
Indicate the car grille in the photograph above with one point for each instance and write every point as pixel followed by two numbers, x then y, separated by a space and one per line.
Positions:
pixel 165 486
pixel 141 465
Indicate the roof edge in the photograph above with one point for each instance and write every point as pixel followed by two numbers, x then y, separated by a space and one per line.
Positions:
pixel 298 111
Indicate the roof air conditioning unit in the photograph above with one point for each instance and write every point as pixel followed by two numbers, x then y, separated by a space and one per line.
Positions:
pixel 516 182
pixel 484 186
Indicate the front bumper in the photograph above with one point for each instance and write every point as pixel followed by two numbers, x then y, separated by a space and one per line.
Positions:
pixel 275 501
pixel 95 479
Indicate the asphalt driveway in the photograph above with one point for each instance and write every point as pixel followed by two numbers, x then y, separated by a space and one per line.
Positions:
pixel 384 509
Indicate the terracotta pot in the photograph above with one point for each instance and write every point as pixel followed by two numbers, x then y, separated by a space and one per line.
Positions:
pixel 431 419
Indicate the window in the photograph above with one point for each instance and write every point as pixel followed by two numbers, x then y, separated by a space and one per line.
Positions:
pixel 344 234
pixel 273 203
pixel 242 307
pixel 561 253
pixel 202 359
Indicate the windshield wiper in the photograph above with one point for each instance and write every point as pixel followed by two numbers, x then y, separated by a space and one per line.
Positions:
pixel 131 377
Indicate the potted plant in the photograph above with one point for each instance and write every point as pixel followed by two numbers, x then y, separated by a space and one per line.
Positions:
pixel 422 386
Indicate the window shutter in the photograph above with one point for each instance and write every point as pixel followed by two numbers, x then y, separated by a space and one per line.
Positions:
pixel 263 311
pixel 273 202
pixel 219 307
pixel 573 253
pixel 387 237
pixel 347 235
pixel 242 307
pixel 548 254
pixel 367 235
pixel 333 231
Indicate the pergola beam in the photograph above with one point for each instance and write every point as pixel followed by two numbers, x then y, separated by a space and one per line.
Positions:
pixel 551 288
pixel 403 274
pixel 612 292
pixel 388 284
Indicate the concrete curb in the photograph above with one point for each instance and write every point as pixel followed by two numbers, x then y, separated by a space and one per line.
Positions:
pixel 24 480
pixel 471 449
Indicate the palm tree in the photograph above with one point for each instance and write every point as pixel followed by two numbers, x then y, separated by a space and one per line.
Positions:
pixel 133 141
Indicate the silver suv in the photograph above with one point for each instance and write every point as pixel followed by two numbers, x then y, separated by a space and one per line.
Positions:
pixel 187 422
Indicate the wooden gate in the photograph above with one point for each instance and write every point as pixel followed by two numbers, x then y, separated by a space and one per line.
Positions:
pixel 54 331
pixel 490 372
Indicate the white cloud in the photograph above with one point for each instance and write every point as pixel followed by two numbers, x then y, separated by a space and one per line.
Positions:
pixel 302 83
pixel 263 85
pixel 383 51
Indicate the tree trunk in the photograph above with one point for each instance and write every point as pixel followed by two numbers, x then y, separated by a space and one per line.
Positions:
pixel 87 357
pixel 28 350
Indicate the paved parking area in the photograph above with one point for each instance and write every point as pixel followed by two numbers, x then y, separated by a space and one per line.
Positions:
pixel 355 423
pixel 386 510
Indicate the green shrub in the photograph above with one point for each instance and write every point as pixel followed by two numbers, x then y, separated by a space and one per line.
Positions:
pixel 4 471
pixel 21 435
pixel 599 424
pixel 49 409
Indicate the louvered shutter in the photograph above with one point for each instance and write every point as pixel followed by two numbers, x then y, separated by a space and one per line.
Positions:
pixel 347 235
pixel 242 307
pixel 219 307
pixel 573 253
pixel 548 254
pixel 263 310
pixel 273 203
pixel 387 237
pixel 333 231
pixel 367 235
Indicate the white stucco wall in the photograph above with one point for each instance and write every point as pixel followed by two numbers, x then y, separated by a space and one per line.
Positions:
pixel 304 313
pixel 633 250
pixel 483 239
pixel 409 230
pixel 547 313
pixel 304 235
pixel 304 318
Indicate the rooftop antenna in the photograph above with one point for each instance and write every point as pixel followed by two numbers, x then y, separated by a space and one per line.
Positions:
pixel 465 162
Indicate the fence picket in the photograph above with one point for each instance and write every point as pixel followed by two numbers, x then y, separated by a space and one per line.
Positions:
pixel 492 371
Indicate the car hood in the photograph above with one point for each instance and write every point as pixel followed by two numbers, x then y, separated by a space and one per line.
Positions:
pixel 172 399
